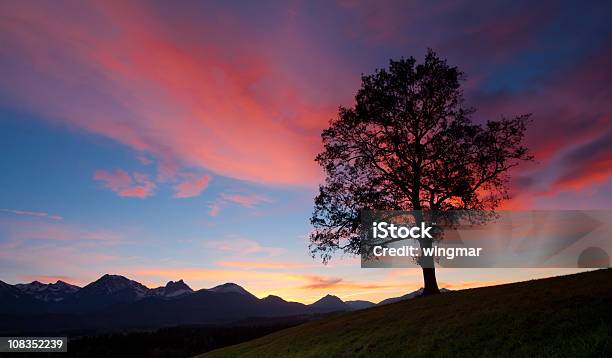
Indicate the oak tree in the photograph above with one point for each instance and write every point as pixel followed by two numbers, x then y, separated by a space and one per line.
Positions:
pixel 409 143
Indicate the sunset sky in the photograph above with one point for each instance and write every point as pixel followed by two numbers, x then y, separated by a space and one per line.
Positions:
pixel 175 140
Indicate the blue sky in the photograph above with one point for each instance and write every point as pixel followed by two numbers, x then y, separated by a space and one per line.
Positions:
pixel 164 141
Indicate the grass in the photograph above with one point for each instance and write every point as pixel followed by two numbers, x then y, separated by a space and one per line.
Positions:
pixel 567 316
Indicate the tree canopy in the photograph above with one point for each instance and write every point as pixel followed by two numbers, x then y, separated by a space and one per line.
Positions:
pixel 409 143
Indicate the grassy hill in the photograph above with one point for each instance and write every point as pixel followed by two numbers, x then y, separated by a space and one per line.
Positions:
pixel 560 316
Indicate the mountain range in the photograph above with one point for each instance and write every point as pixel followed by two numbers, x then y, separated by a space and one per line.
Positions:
pixel 115 301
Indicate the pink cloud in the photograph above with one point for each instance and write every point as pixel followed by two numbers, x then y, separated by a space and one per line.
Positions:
pixel 214 208
pixel 143 159
pixel 121 182
pixel 317 282
pixel 571 114
pixel 263 264
pixel 585 166
pixel 183 98
pixel 191 187
pixel 20 232
pixel 116 181
pixel 248 201
pixel 251 107
pixel 54 248
pixel 32 213
pixel 240 246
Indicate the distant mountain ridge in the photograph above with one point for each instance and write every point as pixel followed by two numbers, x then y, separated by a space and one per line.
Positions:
pixel 231 287
pixel 172 289
pixel 401 298
pixel 564 316
pixel 47 292
pixel 114 301
pixel 360 304
pixel 330 303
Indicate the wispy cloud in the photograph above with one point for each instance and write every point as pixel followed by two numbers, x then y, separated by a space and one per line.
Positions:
pixel 228 115
pixel 16 231
pixel 248 200
pixel 262 264
pixel 32 213
pixel 319 282
pixel 121 182
pixel 191 186
pixel 35 248
pixel 316 282
pixel 586 165
pixel 214 208
pixel 240 246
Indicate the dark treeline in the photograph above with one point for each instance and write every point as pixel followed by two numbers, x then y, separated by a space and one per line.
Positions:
pixel 182 341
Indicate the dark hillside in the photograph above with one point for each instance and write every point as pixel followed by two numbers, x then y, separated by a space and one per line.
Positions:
pixel 560 316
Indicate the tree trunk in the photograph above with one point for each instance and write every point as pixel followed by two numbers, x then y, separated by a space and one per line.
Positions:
pixel 430 284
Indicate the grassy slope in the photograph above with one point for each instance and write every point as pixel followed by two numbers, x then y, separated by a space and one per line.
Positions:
pixel 560 316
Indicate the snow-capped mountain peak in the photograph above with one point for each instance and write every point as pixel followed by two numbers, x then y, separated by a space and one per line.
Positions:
pixel 177 288
pixel 47 291
pixel 172 289
pixel 112 284
pixel 61 285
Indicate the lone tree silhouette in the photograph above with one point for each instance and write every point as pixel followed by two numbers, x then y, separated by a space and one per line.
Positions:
pixel 409 144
